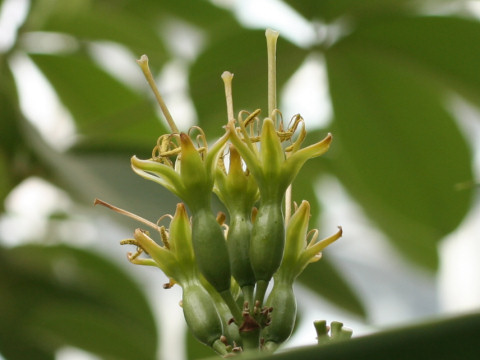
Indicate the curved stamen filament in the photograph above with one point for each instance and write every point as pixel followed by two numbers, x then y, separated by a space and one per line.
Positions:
pixel 201 139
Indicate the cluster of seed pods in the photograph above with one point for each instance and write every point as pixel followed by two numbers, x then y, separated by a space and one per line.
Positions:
pixel 225 266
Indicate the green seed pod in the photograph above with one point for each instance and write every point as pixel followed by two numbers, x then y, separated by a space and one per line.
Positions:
pixel 238 191
pixel 238 244
pixel 267 245
pixel 230 329
pixel 282 300
pixel 201 315
pixel 211 250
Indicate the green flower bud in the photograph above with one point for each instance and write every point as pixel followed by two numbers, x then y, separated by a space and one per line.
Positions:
pixel 274 172
pixel 297 159
pixel 160 256
pixel 295 243
pixel 162 174
pixel 210 250
pixel 266 245
pixel 202 317
pixel 238 191
pixel 299 251
pixel 190 177
pixel 271 159
pixel 298 254
pixel 197 183
pixel 237 188
pixel 337 332
pixel 180 238
pixel 282 301
pixel 175 258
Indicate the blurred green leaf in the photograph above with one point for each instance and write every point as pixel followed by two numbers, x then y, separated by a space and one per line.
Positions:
pixel 99 20
pixel 244 54
pixel 454 338
pixel 5 181
pixel 397 150
pixel 7 147
pixel 17 160
pixel 135 24
pixel 9 128
pixel 58 295
pixel 439 49
pixel 109 115
pixel 323 278
pixel 330 10
pixel 208 18
pixel 13 349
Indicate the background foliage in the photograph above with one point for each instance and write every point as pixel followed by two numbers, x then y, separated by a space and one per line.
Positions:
pixel 393 66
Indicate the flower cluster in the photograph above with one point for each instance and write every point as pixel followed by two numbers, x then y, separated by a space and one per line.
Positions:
pixel 224 268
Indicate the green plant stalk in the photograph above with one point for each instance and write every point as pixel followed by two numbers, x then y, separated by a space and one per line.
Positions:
pixel 251 340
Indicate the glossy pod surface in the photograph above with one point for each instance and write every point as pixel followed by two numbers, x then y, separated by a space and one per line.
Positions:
pixel 268 241
pixel 210 250
pixel 282 300
pixel 238 244
pixel 200 314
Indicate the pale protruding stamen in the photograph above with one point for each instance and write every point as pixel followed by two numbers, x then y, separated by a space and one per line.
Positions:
pixel 227 78
pixel 127 213
pixel 272 37
pixel 143 62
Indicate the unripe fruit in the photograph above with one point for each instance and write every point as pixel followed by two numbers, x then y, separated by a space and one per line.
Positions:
pixel 282 300
pixel 267 242
pixel 238 244
pixel 200 314
pixel 211 250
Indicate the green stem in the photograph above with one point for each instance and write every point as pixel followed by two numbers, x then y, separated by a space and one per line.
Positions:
pixel 232 305
pixel 251 340
pixel 248 291
pixel 261 289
